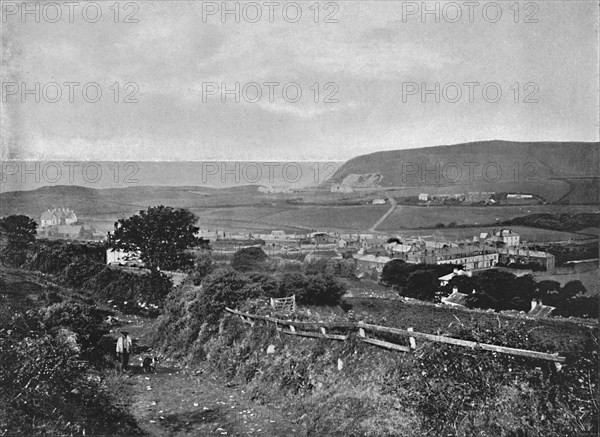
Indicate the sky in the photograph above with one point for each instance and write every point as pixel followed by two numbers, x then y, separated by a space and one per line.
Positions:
pixel 367 72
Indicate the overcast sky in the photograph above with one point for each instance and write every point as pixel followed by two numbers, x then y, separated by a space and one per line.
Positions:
pixel 374 59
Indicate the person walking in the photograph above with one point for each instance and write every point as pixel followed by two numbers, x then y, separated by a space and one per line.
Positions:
pixel 124 349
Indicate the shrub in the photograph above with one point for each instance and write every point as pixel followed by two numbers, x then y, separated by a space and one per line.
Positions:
pixel 47 386
pixel 248 258
pixel 313 289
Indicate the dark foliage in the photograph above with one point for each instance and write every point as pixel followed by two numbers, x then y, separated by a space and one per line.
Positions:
pixel 558 222
pixel 19 230
pixel 48 386
pixel 248 259
pixel 162 235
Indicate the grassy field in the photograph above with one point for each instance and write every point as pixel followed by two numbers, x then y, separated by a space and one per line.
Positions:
pixel 294 218
pixel 411 217
pixel 356 218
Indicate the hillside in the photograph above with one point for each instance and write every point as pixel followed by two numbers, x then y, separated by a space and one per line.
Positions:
pixel 91 201
pixel 544 168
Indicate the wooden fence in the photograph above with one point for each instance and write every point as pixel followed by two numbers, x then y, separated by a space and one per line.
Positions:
pixel 323 330
pixel 284 304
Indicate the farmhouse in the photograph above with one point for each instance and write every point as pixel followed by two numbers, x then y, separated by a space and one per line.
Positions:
pixel 423 197
pixel 58 216
pixel 378 201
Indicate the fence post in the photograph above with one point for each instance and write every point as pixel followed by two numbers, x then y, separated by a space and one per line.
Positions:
pixel 411 340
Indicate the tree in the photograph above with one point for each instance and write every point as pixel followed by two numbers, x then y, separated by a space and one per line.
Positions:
pixel 422 284
pixel 546 287
pixel 248 259
pixel 465 284
pixel 162 235
pixel 573 288
pixel 20 230
pixel 395 273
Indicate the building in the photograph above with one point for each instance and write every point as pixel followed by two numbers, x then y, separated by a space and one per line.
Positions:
pixel 519 196
pixel 469 257
pixel 538 309
pixel 58 216
pixel 374 243
pixel 121 257
pixel 423 197
pixel 508 237
pixel 456 299
pixel 368 263
pixel 444 280
pixel 378 201
pixel 522 255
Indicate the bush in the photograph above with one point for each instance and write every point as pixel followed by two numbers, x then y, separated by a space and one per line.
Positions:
pixel 248 258
pixel 315 289
pixel 191 314
pixel 47 386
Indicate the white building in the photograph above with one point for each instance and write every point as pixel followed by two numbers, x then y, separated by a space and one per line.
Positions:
pixel 423 197
pixel 474 261
pixel 509 238
pixel 121 257
pixel 58 216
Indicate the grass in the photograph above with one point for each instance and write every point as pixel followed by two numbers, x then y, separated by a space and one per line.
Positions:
pixel 412 217
pixel 436 319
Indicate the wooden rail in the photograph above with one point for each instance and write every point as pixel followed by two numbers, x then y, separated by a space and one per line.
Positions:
pixel 290 327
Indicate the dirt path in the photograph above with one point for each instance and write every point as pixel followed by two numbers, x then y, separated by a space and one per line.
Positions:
pixel 180 402
pixel 386 215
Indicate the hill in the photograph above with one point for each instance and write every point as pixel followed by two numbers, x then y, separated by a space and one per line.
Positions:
pixel 547 169
pixel 90 201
